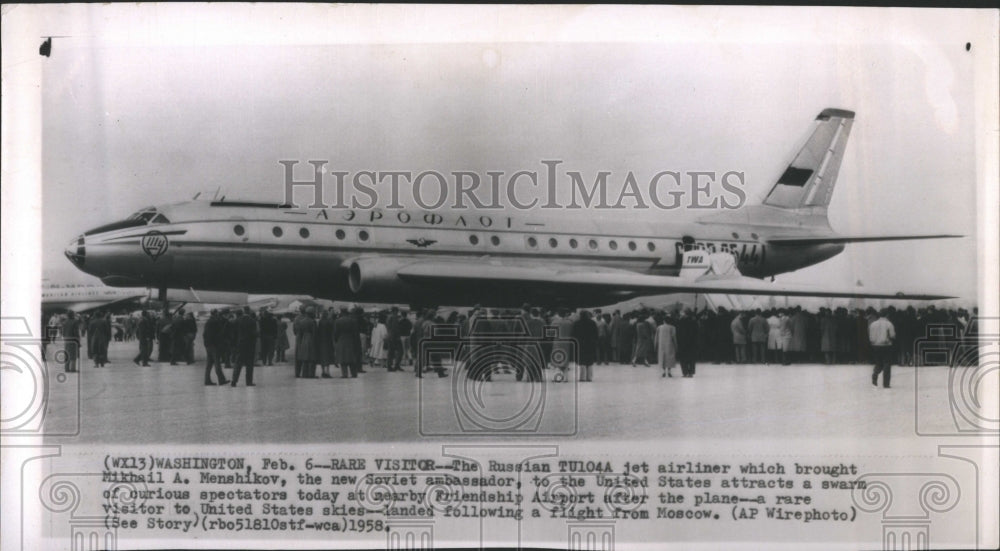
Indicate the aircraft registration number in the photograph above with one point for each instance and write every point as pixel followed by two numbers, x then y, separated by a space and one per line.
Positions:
pixel 747 254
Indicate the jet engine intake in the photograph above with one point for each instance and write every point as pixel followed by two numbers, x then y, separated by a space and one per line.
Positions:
pixel 375 276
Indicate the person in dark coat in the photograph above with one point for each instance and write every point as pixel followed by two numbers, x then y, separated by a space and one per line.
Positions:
pixel 190 332
pixel 687 343
pixel 905 321
pixel 534 357
pixel 706 336
pixel 846 335
pixel 164 345
pixel 214 337
pixel 324 342
pixel 828 336
pixel 758 332
pixel 231 336
pixel 562 348
pixel 98 337
pixel 71 328
pixel 603 322
pixel 405 331
pixel 433 360
pixel 304 328
pixel 144 331
pixel 347 344
pixel 584 334
pixel 723 336
pixel 268 336
pixel 620 347
pixel 178 351
pixel 246 345
pixel 643 341
pixel 468 333
pixel 416 337
pixel 800 329
pixel 281 342
pixel 393 341
pixel 862 344
pixel 365 331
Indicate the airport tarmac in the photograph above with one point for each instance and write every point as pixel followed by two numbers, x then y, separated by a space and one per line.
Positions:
pixel 162 403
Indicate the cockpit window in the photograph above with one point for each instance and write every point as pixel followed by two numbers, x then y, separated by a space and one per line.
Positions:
pixel 144 215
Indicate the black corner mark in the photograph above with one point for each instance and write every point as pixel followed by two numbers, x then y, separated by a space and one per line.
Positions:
pixel 46 48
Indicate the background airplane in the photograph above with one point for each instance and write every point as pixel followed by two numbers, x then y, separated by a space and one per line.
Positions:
pixel 83 297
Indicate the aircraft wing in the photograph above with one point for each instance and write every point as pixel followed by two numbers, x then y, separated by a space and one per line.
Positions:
pixel 82 307
pixel 206 297
pixel 793 240
pixel 443 272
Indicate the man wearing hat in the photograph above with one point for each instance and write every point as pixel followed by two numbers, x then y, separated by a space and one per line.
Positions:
pixel 246 345
pixel 347 347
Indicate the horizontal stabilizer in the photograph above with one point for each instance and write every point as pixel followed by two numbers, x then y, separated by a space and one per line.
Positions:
pixel 834 239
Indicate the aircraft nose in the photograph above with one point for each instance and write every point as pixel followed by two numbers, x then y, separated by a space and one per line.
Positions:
pixel 76 251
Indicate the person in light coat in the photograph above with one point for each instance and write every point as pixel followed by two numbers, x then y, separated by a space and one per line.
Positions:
pixel 379 350
pixel 774 337
pixel 666 346
pixel 738 329
pixel 786 337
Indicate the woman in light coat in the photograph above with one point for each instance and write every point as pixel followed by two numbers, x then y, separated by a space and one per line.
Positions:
pixel 774 337
pixel 378 351
pixel 666 346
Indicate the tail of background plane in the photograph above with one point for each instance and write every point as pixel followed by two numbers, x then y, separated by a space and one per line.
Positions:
pixel 808 181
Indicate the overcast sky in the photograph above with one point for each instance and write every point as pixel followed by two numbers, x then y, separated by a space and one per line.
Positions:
pixel 150 107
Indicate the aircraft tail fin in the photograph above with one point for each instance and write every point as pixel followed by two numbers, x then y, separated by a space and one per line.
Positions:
pixel 808 181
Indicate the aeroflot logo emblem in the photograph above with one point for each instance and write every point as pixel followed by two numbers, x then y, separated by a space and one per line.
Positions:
pixel 154 244
pixel 422 242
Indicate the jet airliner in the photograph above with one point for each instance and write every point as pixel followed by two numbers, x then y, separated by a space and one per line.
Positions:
pixel 468 257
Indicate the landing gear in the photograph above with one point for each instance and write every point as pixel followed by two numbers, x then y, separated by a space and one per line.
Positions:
pixel 162 297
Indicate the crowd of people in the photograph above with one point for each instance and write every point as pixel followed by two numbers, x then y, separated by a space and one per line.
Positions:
pixel 484 340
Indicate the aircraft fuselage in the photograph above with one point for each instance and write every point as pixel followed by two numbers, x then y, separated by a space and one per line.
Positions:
pixel 240 247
